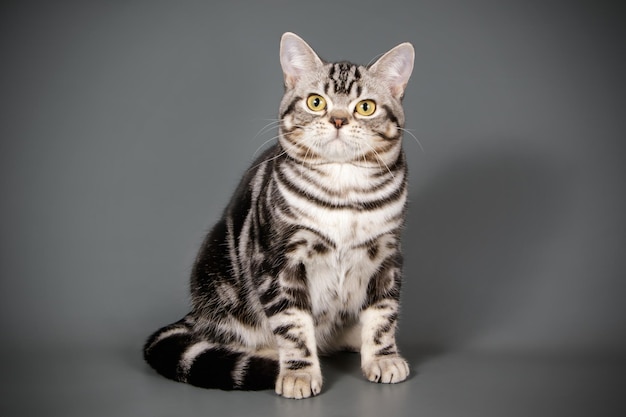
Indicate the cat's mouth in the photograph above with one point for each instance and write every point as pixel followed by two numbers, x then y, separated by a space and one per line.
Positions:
pixel 338 147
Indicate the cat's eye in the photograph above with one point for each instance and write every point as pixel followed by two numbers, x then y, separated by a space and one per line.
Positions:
pixel 316 102
pixel 365 107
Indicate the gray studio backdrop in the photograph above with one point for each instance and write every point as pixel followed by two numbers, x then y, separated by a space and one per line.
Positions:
pixel 126 125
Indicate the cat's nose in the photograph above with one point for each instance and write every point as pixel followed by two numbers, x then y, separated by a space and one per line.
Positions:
pixel 338 121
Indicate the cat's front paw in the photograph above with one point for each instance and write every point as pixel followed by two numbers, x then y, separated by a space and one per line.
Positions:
pixel 299 384
pixel 389 370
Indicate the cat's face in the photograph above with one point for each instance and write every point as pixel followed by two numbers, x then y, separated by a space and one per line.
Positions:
pixel 341 112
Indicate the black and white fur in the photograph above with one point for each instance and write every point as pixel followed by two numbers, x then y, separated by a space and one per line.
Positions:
pixel 306 258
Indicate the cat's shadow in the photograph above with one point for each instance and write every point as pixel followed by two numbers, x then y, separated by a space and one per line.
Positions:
pixel 347 365
pixel 474 233
pixel 338 366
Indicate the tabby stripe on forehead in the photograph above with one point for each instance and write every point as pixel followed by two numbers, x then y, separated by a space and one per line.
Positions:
pixel 344 76
pixel 357 77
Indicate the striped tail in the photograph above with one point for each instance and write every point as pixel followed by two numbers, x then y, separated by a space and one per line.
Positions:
pixel 176 353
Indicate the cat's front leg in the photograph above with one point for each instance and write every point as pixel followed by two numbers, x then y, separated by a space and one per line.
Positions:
pixel 288 307
pixel 300 375
pixel 380 360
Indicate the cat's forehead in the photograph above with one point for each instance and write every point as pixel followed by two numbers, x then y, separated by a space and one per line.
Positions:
pixel 340 79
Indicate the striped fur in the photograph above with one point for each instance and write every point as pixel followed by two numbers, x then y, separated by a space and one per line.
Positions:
pixel 306 258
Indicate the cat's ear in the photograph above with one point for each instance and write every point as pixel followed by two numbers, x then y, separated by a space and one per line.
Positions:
pixel 296 58
pixel 396 67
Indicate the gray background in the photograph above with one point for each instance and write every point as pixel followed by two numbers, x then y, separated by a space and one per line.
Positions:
pixel 125 126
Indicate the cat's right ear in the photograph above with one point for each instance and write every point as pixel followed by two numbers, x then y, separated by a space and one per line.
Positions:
pixel 296 58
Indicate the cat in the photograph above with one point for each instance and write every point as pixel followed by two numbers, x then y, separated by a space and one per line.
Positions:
pixel 306 258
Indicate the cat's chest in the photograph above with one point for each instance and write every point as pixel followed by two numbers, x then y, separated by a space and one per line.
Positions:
pixel 346 228
pixel 344 203
pixel 338 275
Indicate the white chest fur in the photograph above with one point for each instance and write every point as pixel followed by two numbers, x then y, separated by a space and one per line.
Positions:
pixel 340 245
pixel 338 272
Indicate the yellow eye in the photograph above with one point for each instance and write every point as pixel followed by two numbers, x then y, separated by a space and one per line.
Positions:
pixel 365 107
pixel 316 102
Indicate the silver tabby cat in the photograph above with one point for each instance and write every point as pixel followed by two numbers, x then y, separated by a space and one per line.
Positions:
pixel 306 258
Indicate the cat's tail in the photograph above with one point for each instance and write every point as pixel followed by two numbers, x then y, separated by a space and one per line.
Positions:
pixel 177 353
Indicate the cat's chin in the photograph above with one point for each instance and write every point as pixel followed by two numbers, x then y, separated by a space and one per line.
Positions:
pixel 338 149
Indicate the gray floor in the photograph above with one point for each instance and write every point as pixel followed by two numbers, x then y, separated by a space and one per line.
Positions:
pixel 125 126
pixel 114 382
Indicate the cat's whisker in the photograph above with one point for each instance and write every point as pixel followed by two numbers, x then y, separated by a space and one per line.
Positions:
pixel 303 162
pixel 263 144
pixel 274 123
pixel 379 159
pixel 308 149
pixel 414 137
pixel 271 122
pixel 266 128
pixel 252 168
pixel 298 146
pixel 361 153
pixel 272 138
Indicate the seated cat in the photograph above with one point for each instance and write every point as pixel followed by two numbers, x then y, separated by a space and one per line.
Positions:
pixel 306 258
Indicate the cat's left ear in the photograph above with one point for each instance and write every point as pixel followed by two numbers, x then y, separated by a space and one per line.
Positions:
pixel 296 58
pixel 396 67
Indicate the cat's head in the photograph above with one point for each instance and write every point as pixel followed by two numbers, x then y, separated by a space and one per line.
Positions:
pixel 342 112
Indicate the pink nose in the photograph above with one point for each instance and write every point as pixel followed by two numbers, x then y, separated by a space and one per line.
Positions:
pixel 338 121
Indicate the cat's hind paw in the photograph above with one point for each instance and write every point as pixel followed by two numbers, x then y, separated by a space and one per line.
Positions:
pixel 299 384
pixel 386 370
